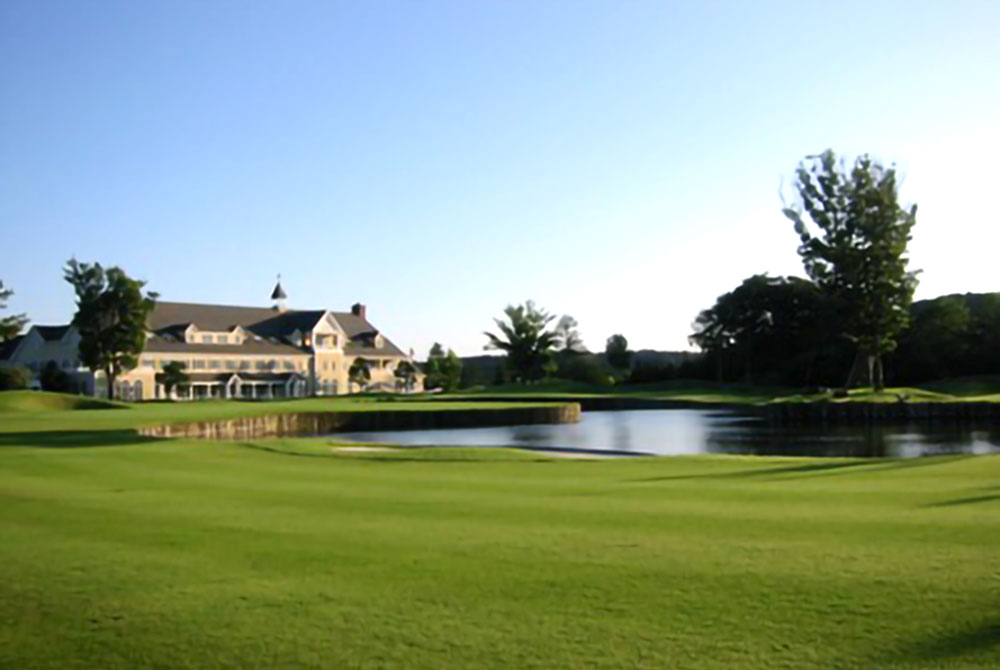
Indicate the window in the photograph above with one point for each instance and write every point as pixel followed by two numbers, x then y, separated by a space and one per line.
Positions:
pixel 260 365
pixel 207 339
pixel 334 340
pixel 244 365
pixel 215 365
pixel 199 364
pixel 230 365
pixel 147 363
pixel 326 365
pixel 223 339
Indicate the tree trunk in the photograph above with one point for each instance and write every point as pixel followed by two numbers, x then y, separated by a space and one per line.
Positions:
pixel 810 361
pixel 878 382
pixel 109 376
pixel 856 370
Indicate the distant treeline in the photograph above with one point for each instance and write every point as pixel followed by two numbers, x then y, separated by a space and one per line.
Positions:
pixel 779 332
pixel 776 330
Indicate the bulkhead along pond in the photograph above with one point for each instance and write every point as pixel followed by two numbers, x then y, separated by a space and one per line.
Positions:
pixel 670 432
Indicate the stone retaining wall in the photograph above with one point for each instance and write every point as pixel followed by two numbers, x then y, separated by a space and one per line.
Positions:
pixel 324 423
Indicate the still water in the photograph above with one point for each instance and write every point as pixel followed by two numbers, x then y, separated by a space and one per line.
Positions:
pixel 690 431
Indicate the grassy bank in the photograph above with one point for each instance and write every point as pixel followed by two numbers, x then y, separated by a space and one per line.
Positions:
pixel 975 389
pixel 289 553
pixel 27 411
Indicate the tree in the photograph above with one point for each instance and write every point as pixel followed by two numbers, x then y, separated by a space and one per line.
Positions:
pixel 432 369
pixel 52 378
pixel 173 375
pixel 13 378
pixel 405 373
pixel 10 326
pixel 451 372
pixel 110 316
pixel 360 373
pixel 858 256
pixel 525 340
pixel 568 334
pixel 616 352
pixel 776 325
pixel 444 370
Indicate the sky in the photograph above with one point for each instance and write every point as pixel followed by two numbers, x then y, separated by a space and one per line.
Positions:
pixel 621 162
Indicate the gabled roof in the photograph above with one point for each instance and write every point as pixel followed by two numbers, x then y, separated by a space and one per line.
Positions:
pixel 52 333
pixel 7 348
pixel 169 319
pixel 223 318
pixel 362 337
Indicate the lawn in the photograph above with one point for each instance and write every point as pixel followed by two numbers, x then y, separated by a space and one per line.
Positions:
pixel 969 389
pixel 292 554
pixel 32 411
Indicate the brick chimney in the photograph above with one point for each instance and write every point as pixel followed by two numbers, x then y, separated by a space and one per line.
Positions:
pixel 357 309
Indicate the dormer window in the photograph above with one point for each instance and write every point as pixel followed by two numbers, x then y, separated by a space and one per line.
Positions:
pixel 207 339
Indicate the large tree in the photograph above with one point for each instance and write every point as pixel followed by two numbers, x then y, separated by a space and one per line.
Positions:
pixel 10 326
pixel 858 253
pixel 525 340
pixel 776 325
pixel 111 314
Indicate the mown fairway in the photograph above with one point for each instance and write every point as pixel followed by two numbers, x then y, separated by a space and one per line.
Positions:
pixel 285 554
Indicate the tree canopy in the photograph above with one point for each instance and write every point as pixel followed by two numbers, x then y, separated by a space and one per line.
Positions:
pixel 360 373
pixel 525 340
pixel 111 314
pixel 443 370
pixel 173 375
pixel 774 324
pixel 857 255
pixel 11 325
pixel 405 374
pixel 617 353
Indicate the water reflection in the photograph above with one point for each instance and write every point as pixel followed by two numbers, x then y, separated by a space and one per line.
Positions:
pixel 686 431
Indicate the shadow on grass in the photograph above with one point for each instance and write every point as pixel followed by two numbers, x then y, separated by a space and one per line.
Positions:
pixel 384 457
pixel 815 469
pixel 74 439
pixel 984 638
pixel 970 500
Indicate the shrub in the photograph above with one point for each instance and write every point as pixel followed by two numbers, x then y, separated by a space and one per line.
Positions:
pixel 13 378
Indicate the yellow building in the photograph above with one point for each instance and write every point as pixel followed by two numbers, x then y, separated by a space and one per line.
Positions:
pixel 235 352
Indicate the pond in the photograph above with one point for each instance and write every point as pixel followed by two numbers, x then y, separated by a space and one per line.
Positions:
pixel 692 431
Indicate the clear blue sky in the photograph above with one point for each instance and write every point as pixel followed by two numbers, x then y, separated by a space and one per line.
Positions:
pixel 617 161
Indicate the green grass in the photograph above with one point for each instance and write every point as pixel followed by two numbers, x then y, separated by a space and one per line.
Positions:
pixel 978 389
pixel 291 554
pixel 31 411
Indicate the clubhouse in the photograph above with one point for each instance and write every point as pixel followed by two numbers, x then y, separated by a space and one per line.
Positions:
pixel 232 352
